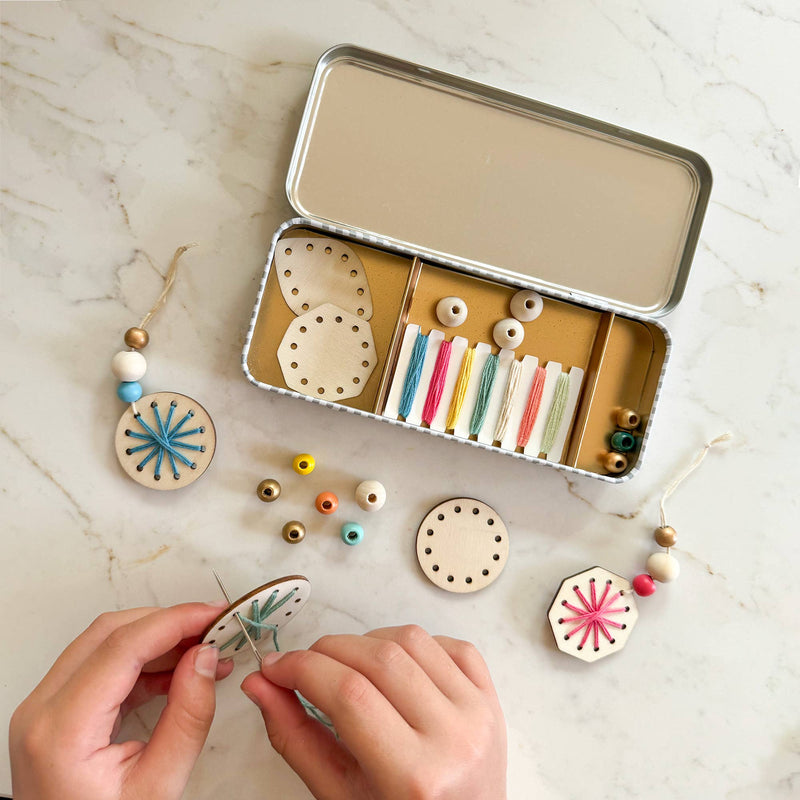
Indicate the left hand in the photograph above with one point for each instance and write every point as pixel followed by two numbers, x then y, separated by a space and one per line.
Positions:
pixel 62 736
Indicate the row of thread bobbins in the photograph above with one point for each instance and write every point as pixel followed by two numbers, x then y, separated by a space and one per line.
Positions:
pixel 370 495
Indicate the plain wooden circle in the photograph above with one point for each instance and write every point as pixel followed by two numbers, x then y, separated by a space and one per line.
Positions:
pixel 226 627
pixel 183 404
pixel 462 545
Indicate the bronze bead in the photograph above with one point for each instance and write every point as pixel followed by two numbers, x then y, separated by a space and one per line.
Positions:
pixel 628 419
pixel 293 532
pixel 615 462
pixel 666 536
pixel 137 338
pixel 268 490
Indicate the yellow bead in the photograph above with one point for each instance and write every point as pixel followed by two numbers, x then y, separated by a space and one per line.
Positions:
pixel 304 464
pixel 137 338
pixel 615 462
pixel 628 419
pixel 268 490
pixel 293 532
pixel 666 536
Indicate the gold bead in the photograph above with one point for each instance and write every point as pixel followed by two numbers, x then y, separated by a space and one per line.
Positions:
pixel 293 532
pixel 615 462
pixel 628 419
pixel 268 490
pixel 137 338
pixel 666 536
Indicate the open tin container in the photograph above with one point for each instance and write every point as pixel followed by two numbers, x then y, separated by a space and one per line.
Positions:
pixel 415 185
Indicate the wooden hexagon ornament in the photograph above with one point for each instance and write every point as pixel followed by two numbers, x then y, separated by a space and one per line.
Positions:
pixel 312 271
pixel 593 614
pixel 327 353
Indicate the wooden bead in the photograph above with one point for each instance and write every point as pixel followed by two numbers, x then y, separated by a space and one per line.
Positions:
pixel 615 462
pixel 644 585
pixel 293 532
pixel 352 533
pixel 138 338
pixel 304 464
pixel 628 419
pixel 370 495
pixel 268 490
pixel 451 311
pixel 326 503
pixel 128 365
pixel 663 567
pixel 622 441
pixel 508 334
pixel 526 305
pixel 666 536
pixel 129 391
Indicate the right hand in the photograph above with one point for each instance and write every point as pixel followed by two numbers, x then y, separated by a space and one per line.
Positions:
pixel 417 717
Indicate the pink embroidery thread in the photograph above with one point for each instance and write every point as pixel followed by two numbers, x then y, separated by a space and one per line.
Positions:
pixel 532 407
pixel 434 396
pixel 594 616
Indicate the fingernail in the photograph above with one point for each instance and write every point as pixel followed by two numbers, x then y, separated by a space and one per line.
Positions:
pixel 205 661
pixel 270 658
pixel 217 603
pixel 250 697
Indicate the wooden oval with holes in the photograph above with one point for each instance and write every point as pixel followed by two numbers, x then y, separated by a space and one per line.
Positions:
pixel 315 271
pixel 462 545
pixel 225 630
pixel 327 353
pixel 593 614
pixel 167 428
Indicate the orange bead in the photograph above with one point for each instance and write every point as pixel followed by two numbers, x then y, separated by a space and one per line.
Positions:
pixel 326 503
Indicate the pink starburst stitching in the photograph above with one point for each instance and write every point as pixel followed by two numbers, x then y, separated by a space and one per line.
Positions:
pixel 594 616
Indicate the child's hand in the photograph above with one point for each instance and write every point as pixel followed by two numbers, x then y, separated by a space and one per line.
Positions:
pixel 417 715
pixel 61 736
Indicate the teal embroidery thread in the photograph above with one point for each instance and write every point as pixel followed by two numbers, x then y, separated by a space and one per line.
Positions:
pixel 556 415
pixel 484 394
pixel 413 373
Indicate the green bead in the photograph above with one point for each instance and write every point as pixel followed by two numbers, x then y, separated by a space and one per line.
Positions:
pixel 352 533
pixel 622 441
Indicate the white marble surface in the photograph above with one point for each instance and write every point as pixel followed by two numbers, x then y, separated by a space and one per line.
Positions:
pixel 132 127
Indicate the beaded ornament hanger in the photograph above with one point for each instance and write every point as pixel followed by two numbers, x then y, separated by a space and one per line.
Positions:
pixel 594 611
pixel 168 440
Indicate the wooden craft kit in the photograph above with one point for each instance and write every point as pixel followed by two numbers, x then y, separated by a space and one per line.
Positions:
pixel 476 265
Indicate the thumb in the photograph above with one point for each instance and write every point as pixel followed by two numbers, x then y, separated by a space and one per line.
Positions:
pixel 166 763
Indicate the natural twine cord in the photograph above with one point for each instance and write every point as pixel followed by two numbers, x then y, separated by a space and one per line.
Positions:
pixel 169 280
pixel 688 471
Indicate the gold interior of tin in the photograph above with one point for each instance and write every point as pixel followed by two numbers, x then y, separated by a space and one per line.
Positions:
pixel 622 357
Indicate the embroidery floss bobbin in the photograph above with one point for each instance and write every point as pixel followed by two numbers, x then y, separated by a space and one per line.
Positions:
pixel 167 427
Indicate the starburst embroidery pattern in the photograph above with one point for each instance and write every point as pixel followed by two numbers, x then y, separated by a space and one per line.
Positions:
pixel 596 615
pixel 159 439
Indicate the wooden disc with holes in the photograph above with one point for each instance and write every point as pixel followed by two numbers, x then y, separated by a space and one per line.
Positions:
pixel 313 271
pixel 168 443
pixel 327 353
pixel 288 596
pixel 462 545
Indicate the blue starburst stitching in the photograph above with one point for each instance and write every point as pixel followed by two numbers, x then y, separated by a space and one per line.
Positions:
pixel 164 440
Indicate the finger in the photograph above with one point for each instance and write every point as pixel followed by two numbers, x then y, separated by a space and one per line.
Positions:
pixel 466 656
pixel 393 672
pixel 90 699
pixel 169 660
pixel 307 747
pixel 166 762
pixel 431 657
pixel 365 720
pixel 83 647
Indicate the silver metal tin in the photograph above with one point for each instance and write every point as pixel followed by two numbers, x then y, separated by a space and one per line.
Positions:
pixel 496 183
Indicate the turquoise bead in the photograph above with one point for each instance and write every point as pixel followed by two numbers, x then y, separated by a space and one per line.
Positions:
pixel 622 441
pixel 352 533
pixel 129 391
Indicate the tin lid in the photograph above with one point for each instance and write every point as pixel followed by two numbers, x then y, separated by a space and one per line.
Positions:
pixel 462 171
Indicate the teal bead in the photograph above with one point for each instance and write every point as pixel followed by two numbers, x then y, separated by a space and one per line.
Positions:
pixel 352 533
pixel 129 391
pixel 622 441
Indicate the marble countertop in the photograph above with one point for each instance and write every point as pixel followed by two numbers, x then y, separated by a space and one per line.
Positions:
pixel 130 128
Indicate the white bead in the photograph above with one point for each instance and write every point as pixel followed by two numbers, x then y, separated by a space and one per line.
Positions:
pixel 526 305
pixel 451 311
pixel 128 365
pixel 370 495
pixel 508 333
pixel 663 567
